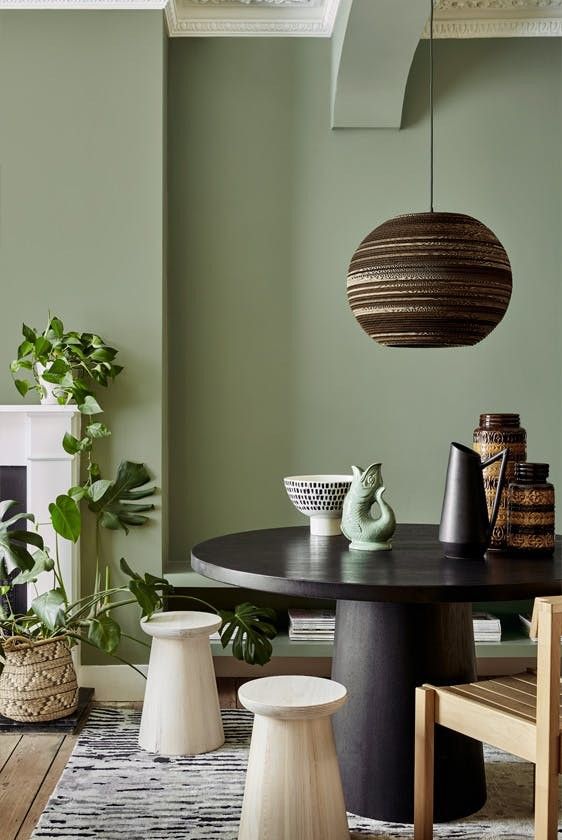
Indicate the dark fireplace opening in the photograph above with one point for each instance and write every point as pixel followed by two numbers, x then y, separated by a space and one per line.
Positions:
pixel 13 485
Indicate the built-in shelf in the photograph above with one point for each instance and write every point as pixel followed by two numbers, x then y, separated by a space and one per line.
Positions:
pixel 282 646
pixel 192 580
pixel 513 646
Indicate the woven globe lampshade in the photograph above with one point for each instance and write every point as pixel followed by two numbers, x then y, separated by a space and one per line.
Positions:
pixel 429 280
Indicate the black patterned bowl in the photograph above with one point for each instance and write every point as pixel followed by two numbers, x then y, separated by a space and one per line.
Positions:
pixel 319 497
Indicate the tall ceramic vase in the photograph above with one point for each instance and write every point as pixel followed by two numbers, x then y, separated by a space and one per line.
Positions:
pixel 497 432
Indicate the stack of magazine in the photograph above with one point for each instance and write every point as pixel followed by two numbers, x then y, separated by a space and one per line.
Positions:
pixel 487 628
pixel 312 625
pixel 320 625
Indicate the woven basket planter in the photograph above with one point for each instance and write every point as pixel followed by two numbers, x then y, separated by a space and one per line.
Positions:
pixel 38 682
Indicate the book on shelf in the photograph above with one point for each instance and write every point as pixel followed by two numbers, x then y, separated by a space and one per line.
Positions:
pixel 486 627
pixel 312 625
pixel 320 625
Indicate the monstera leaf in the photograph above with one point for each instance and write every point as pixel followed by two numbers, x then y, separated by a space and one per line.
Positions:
pixel 116 506
pixel 41 563
pixel 148 591
pixel 250 629
pixel 104 633
pixel 14 542
pixel 50 609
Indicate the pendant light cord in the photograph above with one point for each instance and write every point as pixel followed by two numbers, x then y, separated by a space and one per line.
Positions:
pixel 431 106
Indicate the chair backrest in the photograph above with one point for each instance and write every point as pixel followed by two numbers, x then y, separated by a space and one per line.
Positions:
pixel 546 627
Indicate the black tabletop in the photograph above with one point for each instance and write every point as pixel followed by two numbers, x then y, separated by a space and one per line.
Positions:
pixel 290 561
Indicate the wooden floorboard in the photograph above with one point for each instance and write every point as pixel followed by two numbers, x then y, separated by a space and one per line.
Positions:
pixel 8 743
pixel 22 777
pixel 31 765
pixel 49 783
pixel 227 692
pixel 238 684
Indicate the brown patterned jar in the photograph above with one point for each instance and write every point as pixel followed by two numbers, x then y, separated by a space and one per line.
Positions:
pixel 530 509
pixel 497 432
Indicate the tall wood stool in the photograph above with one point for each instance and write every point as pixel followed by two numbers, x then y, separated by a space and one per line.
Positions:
pixel 181 714
pixel 293 787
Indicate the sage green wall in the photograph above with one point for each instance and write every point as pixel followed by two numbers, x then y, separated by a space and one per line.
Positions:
pixel 269 374
pixel 81 202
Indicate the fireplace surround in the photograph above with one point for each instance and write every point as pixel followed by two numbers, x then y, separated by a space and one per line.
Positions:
pixel 35 469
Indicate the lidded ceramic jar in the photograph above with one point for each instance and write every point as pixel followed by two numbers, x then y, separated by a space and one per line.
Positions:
pixel 530 509
pixel 497 432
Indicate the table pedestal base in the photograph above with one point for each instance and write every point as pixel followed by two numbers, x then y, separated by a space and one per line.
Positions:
pixel 382 652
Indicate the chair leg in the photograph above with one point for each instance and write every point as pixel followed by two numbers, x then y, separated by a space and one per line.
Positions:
pixel 424 764
pixel 546 801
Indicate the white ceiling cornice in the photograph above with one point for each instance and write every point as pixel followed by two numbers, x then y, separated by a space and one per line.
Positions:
pixel 316 18
pixel 497 19
pixel 453 18
pixel 252 18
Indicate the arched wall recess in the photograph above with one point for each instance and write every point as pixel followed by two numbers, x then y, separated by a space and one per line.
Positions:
pixel 372 50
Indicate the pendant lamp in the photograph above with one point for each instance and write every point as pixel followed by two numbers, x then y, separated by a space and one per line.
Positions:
pixel 430 279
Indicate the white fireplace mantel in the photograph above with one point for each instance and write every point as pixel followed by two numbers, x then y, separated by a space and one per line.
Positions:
pixel 31 436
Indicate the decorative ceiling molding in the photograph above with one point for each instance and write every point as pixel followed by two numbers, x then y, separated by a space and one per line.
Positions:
pixel 252 18
pixel 497 19
pixel 453 18
pixel 300 3
pixel 316 18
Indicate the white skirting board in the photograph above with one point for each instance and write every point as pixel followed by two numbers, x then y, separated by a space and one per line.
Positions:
pixel 121 684
pixel 114 682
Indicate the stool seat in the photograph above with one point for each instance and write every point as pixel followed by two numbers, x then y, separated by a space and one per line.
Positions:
pixel 293 787
pixel 181 624
pixel 181 714
pixel 292 697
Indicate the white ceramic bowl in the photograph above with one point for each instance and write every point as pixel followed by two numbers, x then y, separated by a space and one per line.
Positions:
pixel 319 497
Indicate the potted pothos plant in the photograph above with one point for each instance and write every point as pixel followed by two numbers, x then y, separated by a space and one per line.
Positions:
pixel 63 366
pixel 76 363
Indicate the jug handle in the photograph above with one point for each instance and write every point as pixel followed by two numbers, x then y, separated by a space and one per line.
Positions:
pixel 503 455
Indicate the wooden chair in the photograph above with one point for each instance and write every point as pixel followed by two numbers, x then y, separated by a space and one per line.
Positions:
pixel 519 714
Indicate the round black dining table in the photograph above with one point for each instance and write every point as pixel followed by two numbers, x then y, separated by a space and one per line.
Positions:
pixel 403 618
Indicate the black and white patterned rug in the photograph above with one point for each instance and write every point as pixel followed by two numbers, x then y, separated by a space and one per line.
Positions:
pixel 111 789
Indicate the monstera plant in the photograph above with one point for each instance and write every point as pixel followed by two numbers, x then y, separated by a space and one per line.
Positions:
pixel 78 364
pixel 92 618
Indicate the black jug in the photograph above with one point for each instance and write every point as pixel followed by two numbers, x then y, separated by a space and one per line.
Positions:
pixel 466 529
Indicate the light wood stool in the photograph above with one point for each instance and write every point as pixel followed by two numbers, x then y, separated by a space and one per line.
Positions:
pixel 293 787
pixel 181 714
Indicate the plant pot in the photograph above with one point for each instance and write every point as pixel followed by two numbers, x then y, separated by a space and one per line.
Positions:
pixel 49 389
pixel 38 682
